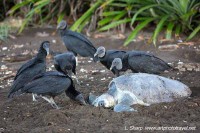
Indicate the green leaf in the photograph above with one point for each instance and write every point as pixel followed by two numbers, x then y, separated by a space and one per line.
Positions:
pixel 87 14
pixel 176 5
pixel 105 3
pixel 4 29
pixel 137 29
pixel 105 21
pixel 24 24
pixel 41 2
pixel 120 15
pixel 141 10
pixel 152 11
pixel 184 5
pixel 178 30
pixel 111 13
pixel 195 31
pixel 110 18
pixel 114 24
pixel 83 25
pixel 159 28
pixel 169 30
pixel 60 17
pixel 37 8
pixel 19 5
pixel 118 4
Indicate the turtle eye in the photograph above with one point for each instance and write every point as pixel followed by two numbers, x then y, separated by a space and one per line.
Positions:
pixel 101 103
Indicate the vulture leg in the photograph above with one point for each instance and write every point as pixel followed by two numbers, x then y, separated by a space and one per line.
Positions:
pixel 34 95
pixel 51 101
pixel 76 61
pixel 77 80
pixel 69 72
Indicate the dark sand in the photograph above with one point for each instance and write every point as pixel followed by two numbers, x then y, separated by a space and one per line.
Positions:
pixel 22 115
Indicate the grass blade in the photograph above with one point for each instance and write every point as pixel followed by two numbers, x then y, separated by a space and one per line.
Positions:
pixel 118 4
pixel 111 13
pixel 141 10
pixel 184 5
pixel 41 2
pixel 86 21
pixel 60 17
pixel 105 21
pixel 120 15
pixel 110 18
pixel 159 28
pixel 177 30
pixel 137 29
pixel 17 6
pixel 4 29
pixel 195 31
pixel 114 24
pixel 37 8
pixel 169 30
pixel 106 3
pixel 24 24
pixel 85 15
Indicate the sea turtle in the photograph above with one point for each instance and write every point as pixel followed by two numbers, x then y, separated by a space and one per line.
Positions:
pixel 139 88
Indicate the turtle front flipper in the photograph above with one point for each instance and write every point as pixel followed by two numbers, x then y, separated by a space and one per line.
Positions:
pixel 143 103
pixel 123 108
pixel 125 102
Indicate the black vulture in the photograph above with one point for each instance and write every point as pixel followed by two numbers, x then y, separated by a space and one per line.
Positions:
pixel 30 69
pixel 107 56
pixel 66 63
pixel 76 42
pixel 53 83
pixel 140 61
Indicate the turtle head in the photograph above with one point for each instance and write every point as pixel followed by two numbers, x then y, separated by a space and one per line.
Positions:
pixel 104 100
pixel 101 51
pixel 117 62
pixel 62 25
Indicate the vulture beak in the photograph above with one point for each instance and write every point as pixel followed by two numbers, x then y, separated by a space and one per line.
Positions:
pixel 47 49
pixel 80 99
pixel 111 67
pixel 95 54
pixel 68 72
pixel 58 26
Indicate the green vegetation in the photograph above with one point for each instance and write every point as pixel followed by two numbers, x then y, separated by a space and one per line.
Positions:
pixel 46 11
pixel 172 16
pixel 4 28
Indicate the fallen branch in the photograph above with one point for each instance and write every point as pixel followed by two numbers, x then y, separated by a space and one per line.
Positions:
pixel 17 58
pixel 185 43
pixel 7 77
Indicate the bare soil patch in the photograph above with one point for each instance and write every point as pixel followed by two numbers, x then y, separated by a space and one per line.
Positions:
pixel 23 115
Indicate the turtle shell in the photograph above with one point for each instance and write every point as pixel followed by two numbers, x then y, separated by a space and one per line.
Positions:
pixel 148 88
